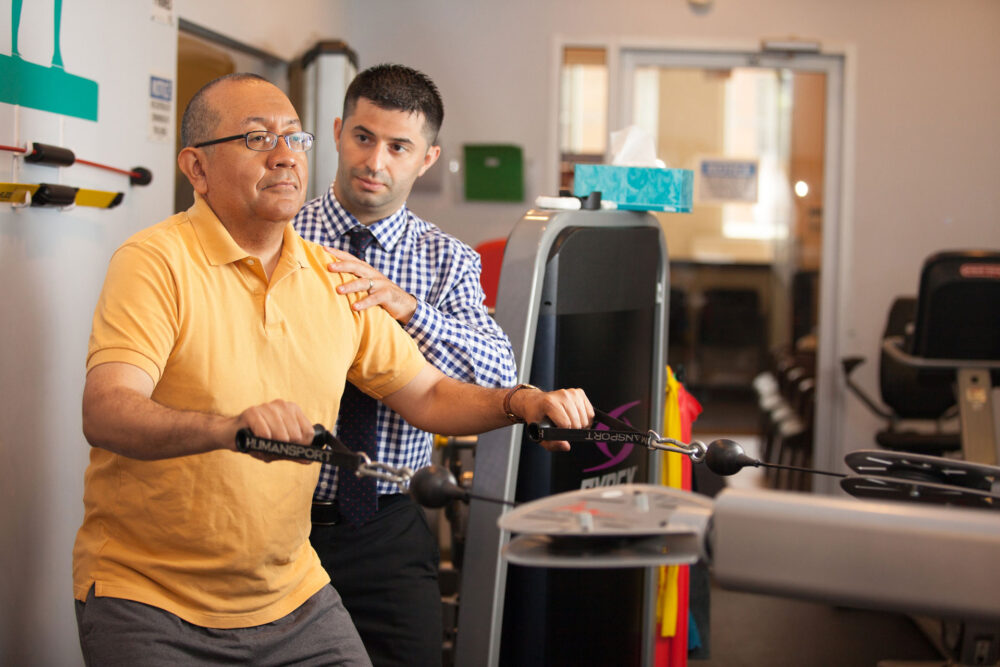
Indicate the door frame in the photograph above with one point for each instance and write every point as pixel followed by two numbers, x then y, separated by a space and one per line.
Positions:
pixel 838 62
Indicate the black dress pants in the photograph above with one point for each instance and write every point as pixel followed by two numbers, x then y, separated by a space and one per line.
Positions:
pixel 386 572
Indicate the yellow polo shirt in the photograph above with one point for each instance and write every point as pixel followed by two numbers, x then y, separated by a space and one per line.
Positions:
pixel 221 539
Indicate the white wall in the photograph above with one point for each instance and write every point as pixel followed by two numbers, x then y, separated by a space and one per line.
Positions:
pixel 922 166
pixel 51 268
pixel 921 169
pixel 52 265
pixel 285 30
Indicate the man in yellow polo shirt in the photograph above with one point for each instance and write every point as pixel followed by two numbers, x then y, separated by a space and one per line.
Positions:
pixel 217 319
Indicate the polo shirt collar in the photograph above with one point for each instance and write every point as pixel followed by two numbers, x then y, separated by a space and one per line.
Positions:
pixel 218 244
pixel 293 246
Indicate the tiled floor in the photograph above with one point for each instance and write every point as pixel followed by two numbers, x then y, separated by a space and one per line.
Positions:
pixel 751 630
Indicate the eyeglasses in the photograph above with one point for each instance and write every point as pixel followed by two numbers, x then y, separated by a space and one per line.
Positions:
pixel 262 140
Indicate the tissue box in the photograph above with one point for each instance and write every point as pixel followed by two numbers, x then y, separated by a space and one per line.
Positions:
pixel 636 188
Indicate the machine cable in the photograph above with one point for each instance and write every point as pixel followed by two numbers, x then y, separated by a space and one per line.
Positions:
pixel 723 457
pixel 880 474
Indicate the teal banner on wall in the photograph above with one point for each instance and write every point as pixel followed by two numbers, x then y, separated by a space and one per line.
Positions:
pixel 49 88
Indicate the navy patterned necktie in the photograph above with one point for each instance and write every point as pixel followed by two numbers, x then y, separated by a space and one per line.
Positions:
pixel 356 496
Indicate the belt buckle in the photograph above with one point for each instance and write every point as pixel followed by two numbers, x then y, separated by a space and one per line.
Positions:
pixel 325 513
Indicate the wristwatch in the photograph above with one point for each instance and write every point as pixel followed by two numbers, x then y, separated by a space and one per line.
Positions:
pixel 514 419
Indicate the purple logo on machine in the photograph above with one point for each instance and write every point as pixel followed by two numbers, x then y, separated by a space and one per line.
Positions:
pixel 614 459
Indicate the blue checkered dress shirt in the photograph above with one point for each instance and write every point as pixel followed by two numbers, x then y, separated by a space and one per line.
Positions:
pixel 451 326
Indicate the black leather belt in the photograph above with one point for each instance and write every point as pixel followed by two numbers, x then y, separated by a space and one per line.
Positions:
pixel 327 513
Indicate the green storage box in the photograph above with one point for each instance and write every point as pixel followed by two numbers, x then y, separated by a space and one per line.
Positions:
pixel 494 172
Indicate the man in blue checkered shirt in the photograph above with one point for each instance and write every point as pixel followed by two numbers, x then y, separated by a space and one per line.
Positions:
pixel 386 569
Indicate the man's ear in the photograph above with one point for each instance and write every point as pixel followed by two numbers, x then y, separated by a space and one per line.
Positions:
pixel 433 153
pixel 192 164
pixel 338 127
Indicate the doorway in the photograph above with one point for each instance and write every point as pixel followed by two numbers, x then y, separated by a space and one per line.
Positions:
pixel 753 268
pixel 203 55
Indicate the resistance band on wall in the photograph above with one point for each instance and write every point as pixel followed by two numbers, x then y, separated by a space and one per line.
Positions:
pixel 48 194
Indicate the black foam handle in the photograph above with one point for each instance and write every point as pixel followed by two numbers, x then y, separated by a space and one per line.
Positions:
pixel 48 154
pixel 539 431
pixel 50 194
pixel 140 176
pixel 325 448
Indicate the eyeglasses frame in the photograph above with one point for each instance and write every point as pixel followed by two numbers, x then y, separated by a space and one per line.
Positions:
pixel 246 135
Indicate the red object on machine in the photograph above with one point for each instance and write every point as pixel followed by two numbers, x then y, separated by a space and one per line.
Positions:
pixel 491 253
pixel 673 651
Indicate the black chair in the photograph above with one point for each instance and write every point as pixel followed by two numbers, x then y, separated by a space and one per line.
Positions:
pixel 786 400
pixel 905 398
pixel 795 439
pixel 954 342
pixel 958 313
pixel 949 335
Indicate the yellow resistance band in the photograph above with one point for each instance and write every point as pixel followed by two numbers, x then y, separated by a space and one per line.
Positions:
pixel 47 194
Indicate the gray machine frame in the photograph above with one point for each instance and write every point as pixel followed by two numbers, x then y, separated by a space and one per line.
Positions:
pixel 519 296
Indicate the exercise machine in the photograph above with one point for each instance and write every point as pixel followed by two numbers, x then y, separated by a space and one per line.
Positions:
pixel 583 297
pixel 938 350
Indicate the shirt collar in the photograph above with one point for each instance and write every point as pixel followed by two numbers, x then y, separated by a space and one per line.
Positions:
pixel 219 246
pixel 387 231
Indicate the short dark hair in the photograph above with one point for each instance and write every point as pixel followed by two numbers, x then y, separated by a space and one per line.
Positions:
pixel 398 88
pixel 200 119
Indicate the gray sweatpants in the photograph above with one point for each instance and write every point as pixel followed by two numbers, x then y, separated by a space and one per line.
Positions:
pixel 114 632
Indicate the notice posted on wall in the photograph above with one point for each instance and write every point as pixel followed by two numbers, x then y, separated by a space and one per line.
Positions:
pixel 727 181
pixel 161 109
pixel 163 11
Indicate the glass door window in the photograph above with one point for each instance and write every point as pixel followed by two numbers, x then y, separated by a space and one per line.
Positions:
pixel 761 131
pixel 583 110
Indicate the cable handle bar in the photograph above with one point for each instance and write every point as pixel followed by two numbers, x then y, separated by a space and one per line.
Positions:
pixel 621 433
pixel 325 448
